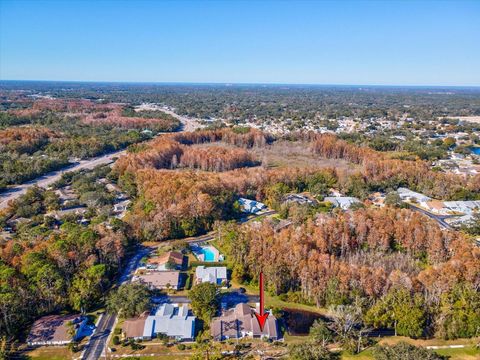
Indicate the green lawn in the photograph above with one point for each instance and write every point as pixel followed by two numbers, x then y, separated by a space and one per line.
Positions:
pixel 364 355
pixel 274 301
pixel 50 353
pixel 468 353
pixel 162 357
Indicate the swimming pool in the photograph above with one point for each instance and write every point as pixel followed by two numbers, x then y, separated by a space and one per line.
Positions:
pixel 476 150
pixel 208 254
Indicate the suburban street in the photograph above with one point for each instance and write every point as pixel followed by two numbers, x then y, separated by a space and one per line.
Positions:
pixel 440 219
pixel 48 179
pixel 98 341
pixel 231 298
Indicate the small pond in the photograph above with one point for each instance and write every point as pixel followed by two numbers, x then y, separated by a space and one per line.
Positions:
pixel 298 322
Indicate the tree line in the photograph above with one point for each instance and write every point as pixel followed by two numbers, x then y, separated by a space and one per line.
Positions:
pixel 384 173
pixel 413 277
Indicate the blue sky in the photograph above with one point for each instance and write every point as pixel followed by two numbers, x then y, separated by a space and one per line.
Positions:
pixel 314 42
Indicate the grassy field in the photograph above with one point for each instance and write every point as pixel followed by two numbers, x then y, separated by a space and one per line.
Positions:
pixel 429 342
pixel 275 302
pixel 50 353
pixel 468 353
pixel 61 353
pixel 364 355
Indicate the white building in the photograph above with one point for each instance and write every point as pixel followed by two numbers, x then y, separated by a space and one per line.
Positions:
pixel 121 206
pixel 216 275
pixel 172 321
pixel 461 220
pixel 343 202
pixel 409 195
pixel 464 207
pixel 251 206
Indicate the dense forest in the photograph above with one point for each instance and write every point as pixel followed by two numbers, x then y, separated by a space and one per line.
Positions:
pixel 240 102
pixel 393 265
pixel 390 257
pixel 55 132
pixel 46 269
pixel 175 203
pixel 384 173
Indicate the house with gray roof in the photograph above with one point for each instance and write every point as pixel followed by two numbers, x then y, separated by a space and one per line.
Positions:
pixel 160 279
pixel 240 322
pixel 216 275
pixel 343 202
pixel 251 206
pixel 465 207
pixel 171 320
pixel 409 195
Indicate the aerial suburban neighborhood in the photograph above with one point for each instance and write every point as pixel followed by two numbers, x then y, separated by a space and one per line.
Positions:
pixel 174 255
pixel 252 180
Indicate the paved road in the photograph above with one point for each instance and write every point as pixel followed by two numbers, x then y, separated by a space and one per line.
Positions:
pixel 231 298
pixel 98 341
pixel 48 179
pixel 440 219
pixel 188 124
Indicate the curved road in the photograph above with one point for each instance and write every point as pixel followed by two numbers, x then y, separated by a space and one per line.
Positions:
pixel 440 219
pixel 98 342
pixel 51 177
pixel 188 125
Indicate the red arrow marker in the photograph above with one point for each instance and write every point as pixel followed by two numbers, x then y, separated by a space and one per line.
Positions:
pixel 262 317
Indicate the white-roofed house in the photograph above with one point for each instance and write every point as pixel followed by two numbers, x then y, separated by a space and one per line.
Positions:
pixel 171 320
pixel 216 275
pixel 464 207
pixel 409 195
pixel 462 220
pixel 343 202
pixel 251 206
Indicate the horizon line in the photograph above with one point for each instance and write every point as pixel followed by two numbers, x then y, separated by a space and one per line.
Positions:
pixel 238 83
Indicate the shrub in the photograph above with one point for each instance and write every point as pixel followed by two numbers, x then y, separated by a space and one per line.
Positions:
pixel 404 351
pixel 136 346
pixel 188 282
pixel 116 340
